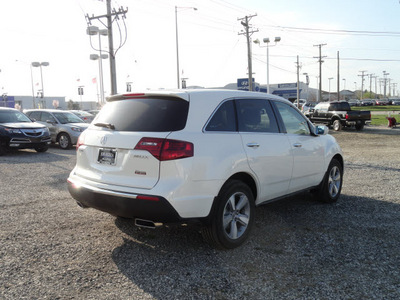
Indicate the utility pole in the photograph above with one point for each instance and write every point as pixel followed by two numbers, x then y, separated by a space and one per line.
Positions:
pixel 109 16
pixel 320 69
pixel 338 76
pixel 385 74
pixel 362 83
pixel 245 22
pixel 376 89
pixel 370 83
pixel 394 84
pixel 298 82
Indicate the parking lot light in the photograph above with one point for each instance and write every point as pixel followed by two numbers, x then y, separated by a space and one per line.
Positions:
pixel 40 64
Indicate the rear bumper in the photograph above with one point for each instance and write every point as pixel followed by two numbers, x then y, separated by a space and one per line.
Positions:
pixel 357 122
pixel 153 208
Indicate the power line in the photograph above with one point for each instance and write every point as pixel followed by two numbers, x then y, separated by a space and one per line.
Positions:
pixel 339 31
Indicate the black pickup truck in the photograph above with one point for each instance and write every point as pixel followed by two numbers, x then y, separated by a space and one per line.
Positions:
pixel 338 114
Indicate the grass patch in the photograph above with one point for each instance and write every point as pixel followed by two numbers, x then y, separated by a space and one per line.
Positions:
pixel 387 108
pixel 379 120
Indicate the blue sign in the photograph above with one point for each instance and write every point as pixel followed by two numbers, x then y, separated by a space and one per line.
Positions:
pixel 243 84
pixel 7 101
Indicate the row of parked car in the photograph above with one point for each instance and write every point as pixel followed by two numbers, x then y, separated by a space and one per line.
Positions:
pixel 372 102
pixel 38 128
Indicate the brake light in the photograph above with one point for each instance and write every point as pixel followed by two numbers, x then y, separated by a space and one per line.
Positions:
pixel 165 149
pixel 81 140
pixel 136 95
pixel 347 116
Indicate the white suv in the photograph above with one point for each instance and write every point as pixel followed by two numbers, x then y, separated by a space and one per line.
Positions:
pixel 202 155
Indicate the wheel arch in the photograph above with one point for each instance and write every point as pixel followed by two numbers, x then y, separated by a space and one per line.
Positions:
pixel 247 179
pixel 339 158
pixel 334 118
pixel 241 176
pixel 60 133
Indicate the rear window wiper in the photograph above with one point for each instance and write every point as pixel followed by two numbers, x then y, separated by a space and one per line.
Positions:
pixel 106 125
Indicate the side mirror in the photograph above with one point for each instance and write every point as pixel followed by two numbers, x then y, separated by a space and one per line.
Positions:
pixel 321 130
pixel 50 122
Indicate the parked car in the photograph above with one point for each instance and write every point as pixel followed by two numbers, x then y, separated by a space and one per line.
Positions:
pixel 64 126
pixel 308 107
pixel 338 114
pixel 84 115
pixel 395 101
pixel 207 156
pixel 17 131
pixel 354 102
pixel 381 102
pixel 94 112
pixel 301 101
pixel 367 102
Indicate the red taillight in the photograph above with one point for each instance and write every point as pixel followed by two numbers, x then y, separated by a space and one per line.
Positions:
pixel 81 140
pixel 347 116
pixel 165 149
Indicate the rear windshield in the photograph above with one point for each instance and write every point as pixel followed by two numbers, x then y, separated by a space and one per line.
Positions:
pixel 149 114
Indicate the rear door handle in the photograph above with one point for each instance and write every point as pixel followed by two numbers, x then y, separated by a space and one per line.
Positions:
pixel 297 145
pixel 253 145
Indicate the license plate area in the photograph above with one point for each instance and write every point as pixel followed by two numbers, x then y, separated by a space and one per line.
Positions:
pixel 107 156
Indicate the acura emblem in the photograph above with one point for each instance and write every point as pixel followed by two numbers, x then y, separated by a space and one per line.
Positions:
pixel 103 140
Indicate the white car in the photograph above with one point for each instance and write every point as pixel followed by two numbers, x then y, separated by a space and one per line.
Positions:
pixel 208 156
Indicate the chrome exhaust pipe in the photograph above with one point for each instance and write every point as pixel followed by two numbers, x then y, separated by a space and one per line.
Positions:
pixel 147 224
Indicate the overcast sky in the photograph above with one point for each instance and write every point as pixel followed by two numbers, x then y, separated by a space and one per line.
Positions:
pixel 211 50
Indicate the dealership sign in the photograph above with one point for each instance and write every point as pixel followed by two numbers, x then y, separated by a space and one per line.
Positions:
pixel 243 84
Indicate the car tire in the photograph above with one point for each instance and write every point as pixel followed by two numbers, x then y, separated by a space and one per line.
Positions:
pixel 64 141
pixel 331 186
pixel 337 125
pixel 42 148
pixel 3 150
pixel 360 126
pixel 232 216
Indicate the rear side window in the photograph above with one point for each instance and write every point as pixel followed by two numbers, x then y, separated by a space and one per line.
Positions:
pixel 224 118
pixel 147 114
pixel 256 116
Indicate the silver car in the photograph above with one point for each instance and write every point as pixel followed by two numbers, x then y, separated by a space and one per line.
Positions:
pixel 64 126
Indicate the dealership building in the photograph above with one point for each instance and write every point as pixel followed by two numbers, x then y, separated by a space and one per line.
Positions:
pixel 285 90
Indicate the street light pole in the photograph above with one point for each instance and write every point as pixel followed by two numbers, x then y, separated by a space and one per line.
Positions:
pixel 100 58
pixel 177 45
pixel 40 64
pixel 267 41
pixel 94 30
pixel 330 78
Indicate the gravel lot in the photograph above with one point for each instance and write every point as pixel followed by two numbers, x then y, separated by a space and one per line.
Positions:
pixel 299 248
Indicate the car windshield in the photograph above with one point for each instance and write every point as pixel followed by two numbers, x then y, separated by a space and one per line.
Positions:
pixel 13 116
pixel 148 115
pixel 66 117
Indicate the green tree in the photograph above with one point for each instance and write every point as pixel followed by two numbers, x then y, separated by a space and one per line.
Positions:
pixel 73 105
